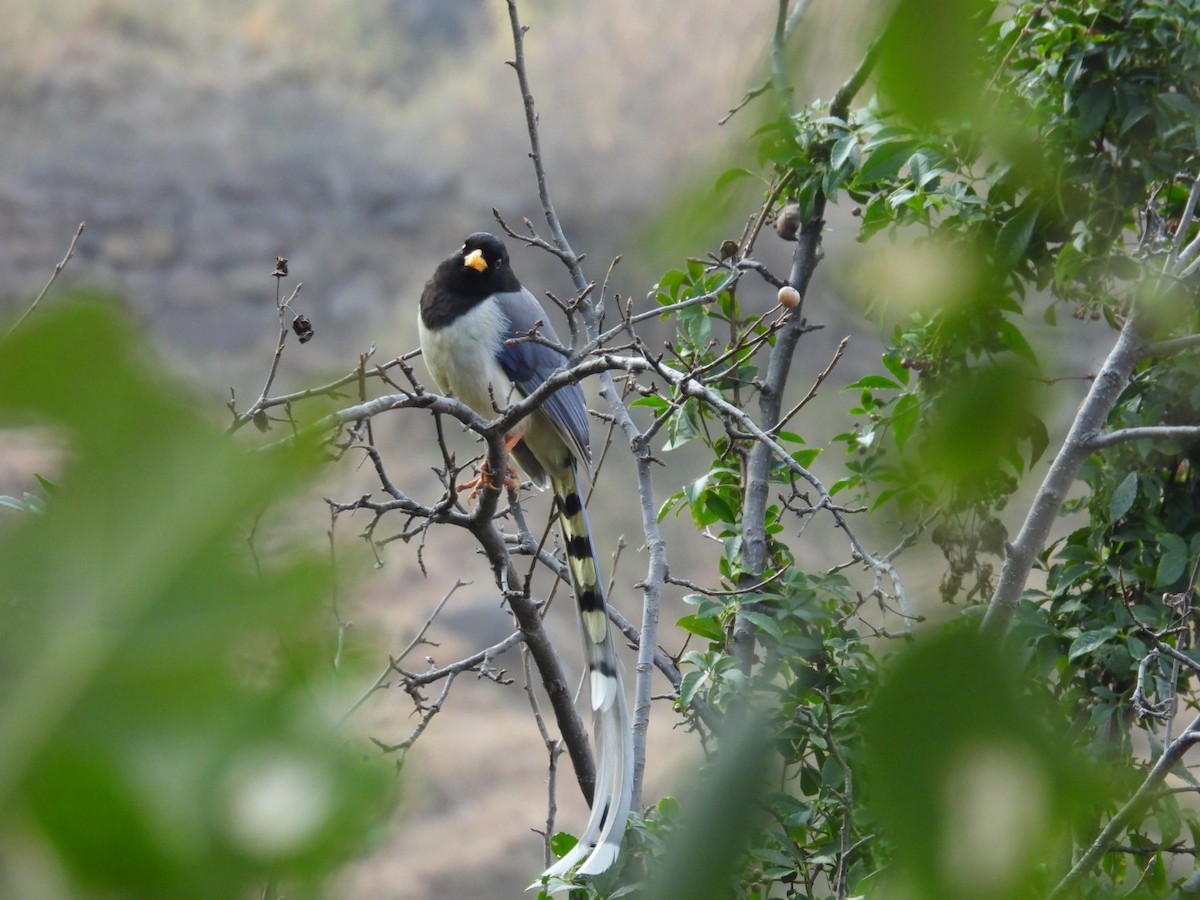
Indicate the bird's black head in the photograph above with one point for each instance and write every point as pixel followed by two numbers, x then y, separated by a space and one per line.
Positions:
pixel 484 252
pixel 479 269
pixel 484 265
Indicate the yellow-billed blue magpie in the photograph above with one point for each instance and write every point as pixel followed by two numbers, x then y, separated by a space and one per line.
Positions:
pixel 471 310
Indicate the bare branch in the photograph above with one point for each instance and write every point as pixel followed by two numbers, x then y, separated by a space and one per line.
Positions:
pixel 1184 263
pixel 553 749
pixel 561 247
pixel 656 547
pixel 476 662
pixel 812 392
pixel 53 278
pixel 1146 433
pixel 1076 448
pixel 381 681
pixel 789 22
pixel 1170 347
pixel 1129 812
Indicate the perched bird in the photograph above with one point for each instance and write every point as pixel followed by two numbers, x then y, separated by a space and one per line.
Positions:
pixel 471 309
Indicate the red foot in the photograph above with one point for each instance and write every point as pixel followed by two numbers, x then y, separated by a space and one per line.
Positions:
pixel 488 481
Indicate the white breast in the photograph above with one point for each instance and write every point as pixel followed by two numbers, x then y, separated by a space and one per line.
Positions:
pixel 462 358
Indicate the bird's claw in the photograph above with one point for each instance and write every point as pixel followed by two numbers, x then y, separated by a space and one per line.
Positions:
pixel 486 480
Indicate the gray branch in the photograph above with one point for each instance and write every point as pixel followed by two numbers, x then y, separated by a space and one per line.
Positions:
pixel 1133 808
pixel 1146 433
pixel 1075 449
pixel 804 262
pixel 1083 438
pixel 656 547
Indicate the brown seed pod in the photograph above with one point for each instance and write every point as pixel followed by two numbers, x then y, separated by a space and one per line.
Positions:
pixel 787 221
pixel 303 328
pixel 789 296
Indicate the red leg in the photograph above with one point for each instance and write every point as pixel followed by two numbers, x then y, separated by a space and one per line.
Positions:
pixel 485 478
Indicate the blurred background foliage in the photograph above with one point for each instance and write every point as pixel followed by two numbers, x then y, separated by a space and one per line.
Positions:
pixel 162 678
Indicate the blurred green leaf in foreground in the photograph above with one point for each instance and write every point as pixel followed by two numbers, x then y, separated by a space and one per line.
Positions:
pixel 160 734
pixel 968 777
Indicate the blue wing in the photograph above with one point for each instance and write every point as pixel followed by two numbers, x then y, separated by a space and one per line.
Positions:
pixel 528 364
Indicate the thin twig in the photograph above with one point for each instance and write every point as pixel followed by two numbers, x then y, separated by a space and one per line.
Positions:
pixel 655 546
pixel 381 681
pixel 53 278
pixel 553 749
pixel 812 392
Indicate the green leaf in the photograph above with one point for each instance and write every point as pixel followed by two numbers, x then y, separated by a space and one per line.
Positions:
pixel 977 746
pixel 703 626
pixel 689 685
pixel 929 59
pixel 1093 107
pixel 668 285
pixel 974 428
pixel 805 458
pixel 875 382
pixel 844 152
pixel 1090 641
pixel 1015 341
pixel 842 483
pixel 1123 497
pixel 905 416
pixel 729 176
pixel 158 684
pixel 1173 560
pixel 704 851
pixel 653 401
pixel 562 843
pixel 1014 236
pixel 1170 823
pixel 763 622
pixel 885 161
pixel 1039 438
pixel 682 427
pixel 894 363
pixel 47 485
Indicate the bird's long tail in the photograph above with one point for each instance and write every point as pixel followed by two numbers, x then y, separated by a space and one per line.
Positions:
pixel 600 841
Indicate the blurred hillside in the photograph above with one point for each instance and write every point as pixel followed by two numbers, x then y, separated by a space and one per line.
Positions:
pixel 199 140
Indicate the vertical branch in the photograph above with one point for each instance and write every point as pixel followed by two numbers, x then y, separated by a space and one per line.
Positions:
pixel 656 574
pixel 529 620
pixel 1079 444
pixel 656 548
pixel 1022 552
pixel 780 83
pixel 553 749
pixel 754 508
pixel 565 253
pixel 804 262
